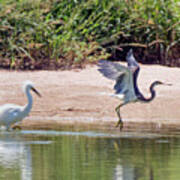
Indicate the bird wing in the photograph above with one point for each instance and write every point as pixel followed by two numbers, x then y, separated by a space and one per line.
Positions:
pixel 14 112
pixel 123 77
pixel 132 63
pixel 111 70
pixel 9 113
pixel 134 68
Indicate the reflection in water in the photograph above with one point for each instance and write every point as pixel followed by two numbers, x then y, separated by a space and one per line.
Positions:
pixel 122 173
pixel 64 155
pixel 16 157
pixel 131 173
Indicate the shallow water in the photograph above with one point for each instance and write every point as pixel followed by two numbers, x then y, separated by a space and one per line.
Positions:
pixel 88 155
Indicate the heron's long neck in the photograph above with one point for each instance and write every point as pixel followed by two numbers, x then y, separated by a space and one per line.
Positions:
pixel 153 94
pixel 28 106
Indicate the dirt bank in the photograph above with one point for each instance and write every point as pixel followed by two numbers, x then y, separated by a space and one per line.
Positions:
pixel 76 98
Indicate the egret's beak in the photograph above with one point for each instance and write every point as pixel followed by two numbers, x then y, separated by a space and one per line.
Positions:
pixel 36 92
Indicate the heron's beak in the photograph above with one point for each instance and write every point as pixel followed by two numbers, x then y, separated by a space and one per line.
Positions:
pixel 167 84
pixel 36 92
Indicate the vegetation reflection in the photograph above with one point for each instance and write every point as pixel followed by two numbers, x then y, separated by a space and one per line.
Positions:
pixel 82 157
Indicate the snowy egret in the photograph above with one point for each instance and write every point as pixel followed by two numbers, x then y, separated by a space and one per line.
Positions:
pixel 12 113
pixel 126 82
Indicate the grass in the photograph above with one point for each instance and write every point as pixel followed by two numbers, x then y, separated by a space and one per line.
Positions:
pixel 59 34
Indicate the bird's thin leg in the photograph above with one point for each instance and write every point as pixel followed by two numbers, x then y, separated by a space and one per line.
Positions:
pixel 16 126
pixel 120 122
pixel 8 127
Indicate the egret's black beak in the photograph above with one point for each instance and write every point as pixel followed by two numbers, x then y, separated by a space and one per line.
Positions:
pixel 36 92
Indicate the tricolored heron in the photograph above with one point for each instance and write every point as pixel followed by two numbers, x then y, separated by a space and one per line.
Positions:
pixel 126 82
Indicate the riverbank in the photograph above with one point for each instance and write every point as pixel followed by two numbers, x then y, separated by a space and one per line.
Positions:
pixel 77 99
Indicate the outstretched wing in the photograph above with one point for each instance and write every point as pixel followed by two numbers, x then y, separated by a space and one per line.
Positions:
pixel 123 77
pixel 134 68
pixel 132 63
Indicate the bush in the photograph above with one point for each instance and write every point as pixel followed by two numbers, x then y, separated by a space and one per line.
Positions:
pixel 38 34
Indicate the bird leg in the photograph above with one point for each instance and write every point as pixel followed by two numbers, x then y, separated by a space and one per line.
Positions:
pixel 16 126
pixel 120 122
pixel 8 127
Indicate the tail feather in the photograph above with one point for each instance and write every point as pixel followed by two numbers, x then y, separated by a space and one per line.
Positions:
pixel 119 96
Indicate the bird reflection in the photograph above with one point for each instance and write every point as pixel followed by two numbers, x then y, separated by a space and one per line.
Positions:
pixel 15 154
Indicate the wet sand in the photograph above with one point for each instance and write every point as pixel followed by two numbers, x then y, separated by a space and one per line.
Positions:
pixel 77 99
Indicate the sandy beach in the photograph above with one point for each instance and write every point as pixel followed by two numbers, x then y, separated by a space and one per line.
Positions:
pixel 78 99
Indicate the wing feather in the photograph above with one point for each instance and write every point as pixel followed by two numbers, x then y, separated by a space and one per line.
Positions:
pixel 123 77
pixel 132 63
pixel 111 70
pixel 134 68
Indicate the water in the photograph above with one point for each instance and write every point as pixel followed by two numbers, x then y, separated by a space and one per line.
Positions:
pixel 64 155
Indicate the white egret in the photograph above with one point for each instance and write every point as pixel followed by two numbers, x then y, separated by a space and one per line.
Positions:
pixel 12 113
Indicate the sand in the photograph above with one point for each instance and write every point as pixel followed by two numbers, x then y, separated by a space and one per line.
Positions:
pixel 78 99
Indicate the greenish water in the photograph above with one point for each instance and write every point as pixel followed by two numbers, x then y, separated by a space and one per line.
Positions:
pixel 50 155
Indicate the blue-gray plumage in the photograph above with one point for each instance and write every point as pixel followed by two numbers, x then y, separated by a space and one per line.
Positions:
pixel 126 81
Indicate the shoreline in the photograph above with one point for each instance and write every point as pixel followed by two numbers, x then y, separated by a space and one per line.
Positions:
pixel 79 95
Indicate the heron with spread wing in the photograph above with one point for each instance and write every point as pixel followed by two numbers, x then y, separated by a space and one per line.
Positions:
pixel 126 82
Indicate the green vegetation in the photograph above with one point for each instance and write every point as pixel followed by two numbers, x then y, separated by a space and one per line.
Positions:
pixel 43 34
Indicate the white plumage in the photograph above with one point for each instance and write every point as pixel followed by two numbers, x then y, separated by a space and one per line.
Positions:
pixel 12 113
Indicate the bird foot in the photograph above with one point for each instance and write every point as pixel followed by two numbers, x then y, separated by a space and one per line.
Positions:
pixel 16 127
pixel 120 124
